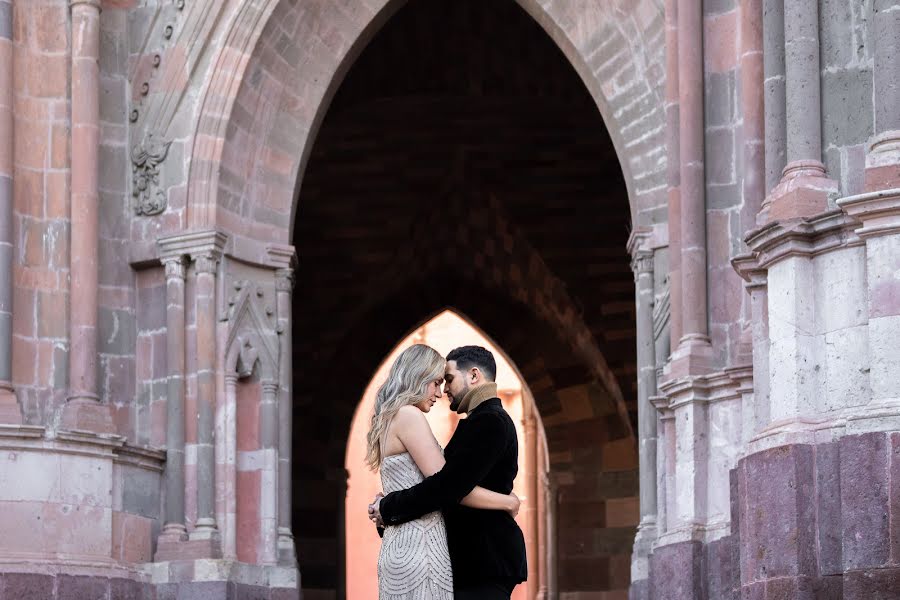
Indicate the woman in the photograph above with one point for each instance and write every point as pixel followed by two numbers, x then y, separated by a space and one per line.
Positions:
pixel 414 563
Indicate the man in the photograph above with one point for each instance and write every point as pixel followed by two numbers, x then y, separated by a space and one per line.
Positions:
pixel 487 549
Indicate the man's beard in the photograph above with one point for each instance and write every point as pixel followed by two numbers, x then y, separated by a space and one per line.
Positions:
pixel 458 398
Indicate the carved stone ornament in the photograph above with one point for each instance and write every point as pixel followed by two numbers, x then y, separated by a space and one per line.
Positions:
pixel 252 337
pixel 145 160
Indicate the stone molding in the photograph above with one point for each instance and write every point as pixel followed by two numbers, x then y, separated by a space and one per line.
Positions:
pixel 879 212
pixel 807 237
pixel 727 384
pixel 226 570
pixel 193 243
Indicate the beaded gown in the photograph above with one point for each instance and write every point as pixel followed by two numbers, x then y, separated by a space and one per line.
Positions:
pixel 414 562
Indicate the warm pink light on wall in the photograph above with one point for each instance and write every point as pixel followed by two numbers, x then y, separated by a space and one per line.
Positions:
pixel 444 332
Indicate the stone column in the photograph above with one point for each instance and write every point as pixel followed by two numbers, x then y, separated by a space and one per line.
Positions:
pixel 552 540
pixel 206 530
pixel 284 283
pixel 642 265
pixel 83 408
pixel 174 530
pixel 268 436
pixel 694 353
pixel 531 514
pixel 883 160
pixel 543 481
pixel 10 411
pixel 804 189
pixel 753 91
pixel 673 171
pixel 773 75
pixel 755 411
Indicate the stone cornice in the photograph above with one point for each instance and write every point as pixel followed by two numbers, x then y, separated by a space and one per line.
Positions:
pixel 639 240
pixel 808 237
pixel 727 384
pixel 193 243
pixel 747 266
pixel 879 212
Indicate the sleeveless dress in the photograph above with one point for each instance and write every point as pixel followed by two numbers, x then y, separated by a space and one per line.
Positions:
pixel 414 562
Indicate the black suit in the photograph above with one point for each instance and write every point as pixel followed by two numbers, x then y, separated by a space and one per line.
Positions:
pixel 487 548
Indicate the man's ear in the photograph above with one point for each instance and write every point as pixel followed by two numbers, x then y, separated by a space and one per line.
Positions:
pixel 476 374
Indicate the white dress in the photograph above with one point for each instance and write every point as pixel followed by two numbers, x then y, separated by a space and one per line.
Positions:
pixel 414 562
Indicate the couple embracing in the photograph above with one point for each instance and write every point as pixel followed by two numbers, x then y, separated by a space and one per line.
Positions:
pixel 449 531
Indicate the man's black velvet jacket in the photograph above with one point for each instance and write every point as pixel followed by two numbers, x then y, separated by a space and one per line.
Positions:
pixel 485 545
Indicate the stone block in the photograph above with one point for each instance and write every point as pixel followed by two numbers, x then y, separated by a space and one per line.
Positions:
pixel 639 590
pixel 128 589
pixel 676 572
pixel 722 568
pixel 719 104
pixel 872 584
pixel 845 373
pixel 27 586
pixel 828 507
pixel 844 92
pixel 116 331
pixel 885 360
pixel 777 519
pixel 81 587
pixel 865 500
pixel 285 594
pixel 141 492
pixel 85 481
pixel 205 590
pixel 251 592
pixel 840 289
pixel 29 476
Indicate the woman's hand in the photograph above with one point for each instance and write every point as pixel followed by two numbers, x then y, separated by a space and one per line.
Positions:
pixel 514 504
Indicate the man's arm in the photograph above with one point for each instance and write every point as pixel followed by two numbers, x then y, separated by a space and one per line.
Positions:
pixel 483 439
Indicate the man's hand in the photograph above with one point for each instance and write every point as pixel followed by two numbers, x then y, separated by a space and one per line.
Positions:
pixel 514 505
pixel 374 510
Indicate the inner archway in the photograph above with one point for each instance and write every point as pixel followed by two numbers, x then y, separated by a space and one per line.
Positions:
pixel 444 332
pixel 461 170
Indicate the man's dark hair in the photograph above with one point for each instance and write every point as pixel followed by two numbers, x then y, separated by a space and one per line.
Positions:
pixel 467 357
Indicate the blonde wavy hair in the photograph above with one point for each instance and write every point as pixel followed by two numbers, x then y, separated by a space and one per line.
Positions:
pixel 407 383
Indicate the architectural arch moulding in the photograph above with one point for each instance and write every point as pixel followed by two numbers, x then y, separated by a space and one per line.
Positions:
pixel 281 61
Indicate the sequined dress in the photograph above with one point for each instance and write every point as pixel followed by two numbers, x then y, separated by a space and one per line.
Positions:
pixel 414 563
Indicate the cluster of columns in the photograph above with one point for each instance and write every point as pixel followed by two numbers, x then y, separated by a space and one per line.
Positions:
pixel 213 446
pixel 10 412
pixel 204 537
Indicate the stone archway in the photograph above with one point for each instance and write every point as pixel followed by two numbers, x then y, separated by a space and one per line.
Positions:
pixel 282 62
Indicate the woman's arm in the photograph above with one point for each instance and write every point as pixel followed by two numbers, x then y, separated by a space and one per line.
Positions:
pixel 411 427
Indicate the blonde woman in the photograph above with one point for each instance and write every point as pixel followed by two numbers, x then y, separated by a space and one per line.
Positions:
pixel 414 563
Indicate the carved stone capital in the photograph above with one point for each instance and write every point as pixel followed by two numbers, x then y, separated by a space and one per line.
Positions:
pixel 642 262
pixel 174 266
pixel 284 280
pixel 207 262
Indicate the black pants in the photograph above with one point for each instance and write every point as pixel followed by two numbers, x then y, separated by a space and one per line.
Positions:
pixel 485 591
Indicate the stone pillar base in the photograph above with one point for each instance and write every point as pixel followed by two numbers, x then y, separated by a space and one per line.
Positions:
pixel 10 411
pixel 87 414
pixel 287 553
pixel 883 162
pixel 804 190
pixel 226 579
pixel 187 549
pixel 694 356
